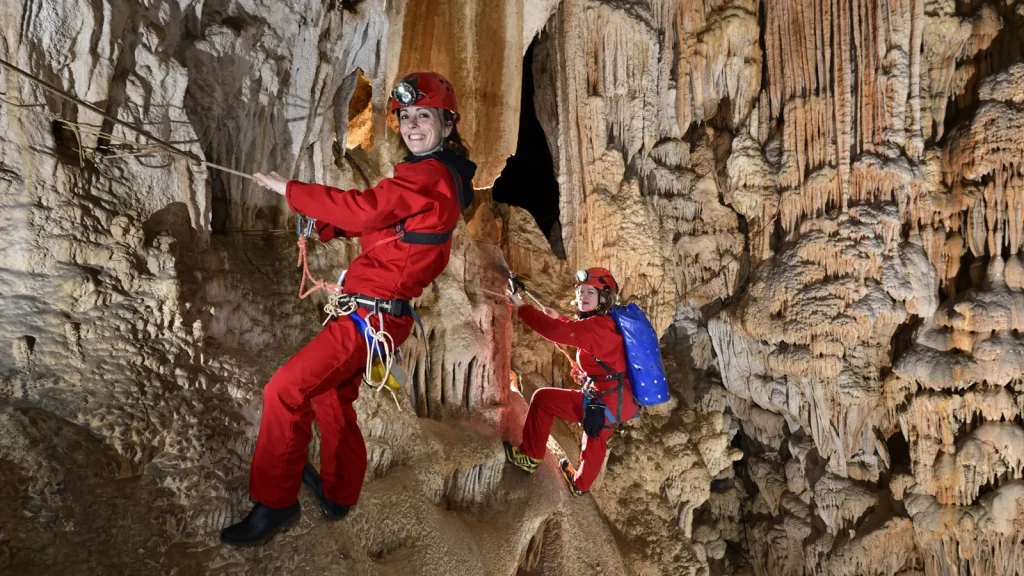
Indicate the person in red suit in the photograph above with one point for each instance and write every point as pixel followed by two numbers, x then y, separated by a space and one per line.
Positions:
pixel 405 224
pixel 605 398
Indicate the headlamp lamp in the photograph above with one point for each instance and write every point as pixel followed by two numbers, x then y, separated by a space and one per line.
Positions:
pixel 404 93
pixel 582 276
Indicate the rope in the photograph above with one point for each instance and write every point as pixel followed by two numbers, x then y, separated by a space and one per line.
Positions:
pixel 577 373
pixel 381 338
pixel 375 339
pixel 190 156
pixel 339 304
pixel 334 289
pixel 543 308
pixel 169 148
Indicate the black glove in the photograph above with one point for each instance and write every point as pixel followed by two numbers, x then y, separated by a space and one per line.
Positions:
pixel 593 418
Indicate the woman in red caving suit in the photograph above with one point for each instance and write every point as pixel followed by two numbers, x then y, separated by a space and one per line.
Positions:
pixel 606 391
pixel 405 224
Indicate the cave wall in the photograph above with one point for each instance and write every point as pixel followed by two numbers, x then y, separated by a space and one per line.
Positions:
pixel 145 300
pixel 817 203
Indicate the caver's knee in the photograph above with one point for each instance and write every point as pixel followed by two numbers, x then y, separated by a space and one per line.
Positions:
pixel 543 396
pixel 281 390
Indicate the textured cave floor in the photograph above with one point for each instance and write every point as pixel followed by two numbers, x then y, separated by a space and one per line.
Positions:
pixel 97 523
pixel 127 526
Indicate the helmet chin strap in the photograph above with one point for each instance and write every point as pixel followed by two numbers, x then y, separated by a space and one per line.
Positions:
pixel 437 148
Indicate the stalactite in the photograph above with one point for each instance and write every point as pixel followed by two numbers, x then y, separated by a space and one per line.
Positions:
pixel 841 501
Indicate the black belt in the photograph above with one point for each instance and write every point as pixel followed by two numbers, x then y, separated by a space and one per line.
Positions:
pixel 395 307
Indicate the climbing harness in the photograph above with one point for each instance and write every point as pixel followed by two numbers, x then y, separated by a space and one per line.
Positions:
pixel 592 396
pixel 616 419
pixel 381 351
pixel 381 369
pixel 380 344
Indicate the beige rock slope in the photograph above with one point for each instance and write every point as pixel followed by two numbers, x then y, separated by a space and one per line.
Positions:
pixel 819 205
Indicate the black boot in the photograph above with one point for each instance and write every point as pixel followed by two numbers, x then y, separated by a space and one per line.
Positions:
pixel 311 478
pixel 260 525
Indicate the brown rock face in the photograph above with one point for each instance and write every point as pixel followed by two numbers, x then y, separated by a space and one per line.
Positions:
pixel 438 35
pixel 819 204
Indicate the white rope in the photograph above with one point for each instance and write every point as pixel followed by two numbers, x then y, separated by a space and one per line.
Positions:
pixel 386 343
pixel 334 309
pixel 534 298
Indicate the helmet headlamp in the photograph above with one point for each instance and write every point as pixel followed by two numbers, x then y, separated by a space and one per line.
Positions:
pixel 404 93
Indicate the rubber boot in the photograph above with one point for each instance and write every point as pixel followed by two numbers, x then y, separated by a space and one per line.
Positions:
pixel 311 478
pixel 261 523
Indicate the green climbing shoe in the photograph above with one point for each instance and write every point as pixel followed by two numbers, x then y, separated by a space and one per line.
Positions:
pixel 516 457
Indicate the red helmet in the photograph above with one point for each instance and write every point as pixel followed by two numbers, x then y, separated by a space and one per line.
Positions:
pixel 599 278
pixel 426 89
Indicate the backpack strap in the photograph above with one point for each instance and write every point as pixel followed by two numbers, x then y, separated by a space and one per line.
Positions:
pixel 620 388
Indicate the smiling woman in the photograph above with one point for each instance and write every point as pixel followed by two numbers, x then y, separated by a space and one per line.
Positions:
pixel 427 111
pixel 407 222
pixel 422 129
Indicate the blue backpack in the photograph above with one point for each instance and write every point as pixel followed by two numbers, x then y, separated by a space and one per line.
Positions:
pixel 643 355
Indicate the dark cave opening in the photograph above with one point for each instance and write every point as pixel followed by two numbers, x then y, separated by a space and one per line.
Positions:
pixel 528 179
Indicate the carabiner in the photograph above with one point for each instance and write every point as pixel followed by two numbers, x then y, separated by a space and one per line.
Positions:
pixel 514 283
pixel 308 226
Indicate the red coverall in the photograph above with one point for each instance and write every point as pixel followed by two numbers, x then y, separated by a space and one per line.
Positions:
pixel 593 336
pixel 323 378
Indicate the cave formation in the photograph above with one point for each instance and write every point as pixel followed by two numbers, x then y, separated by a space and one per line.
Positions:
pixel 820 206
